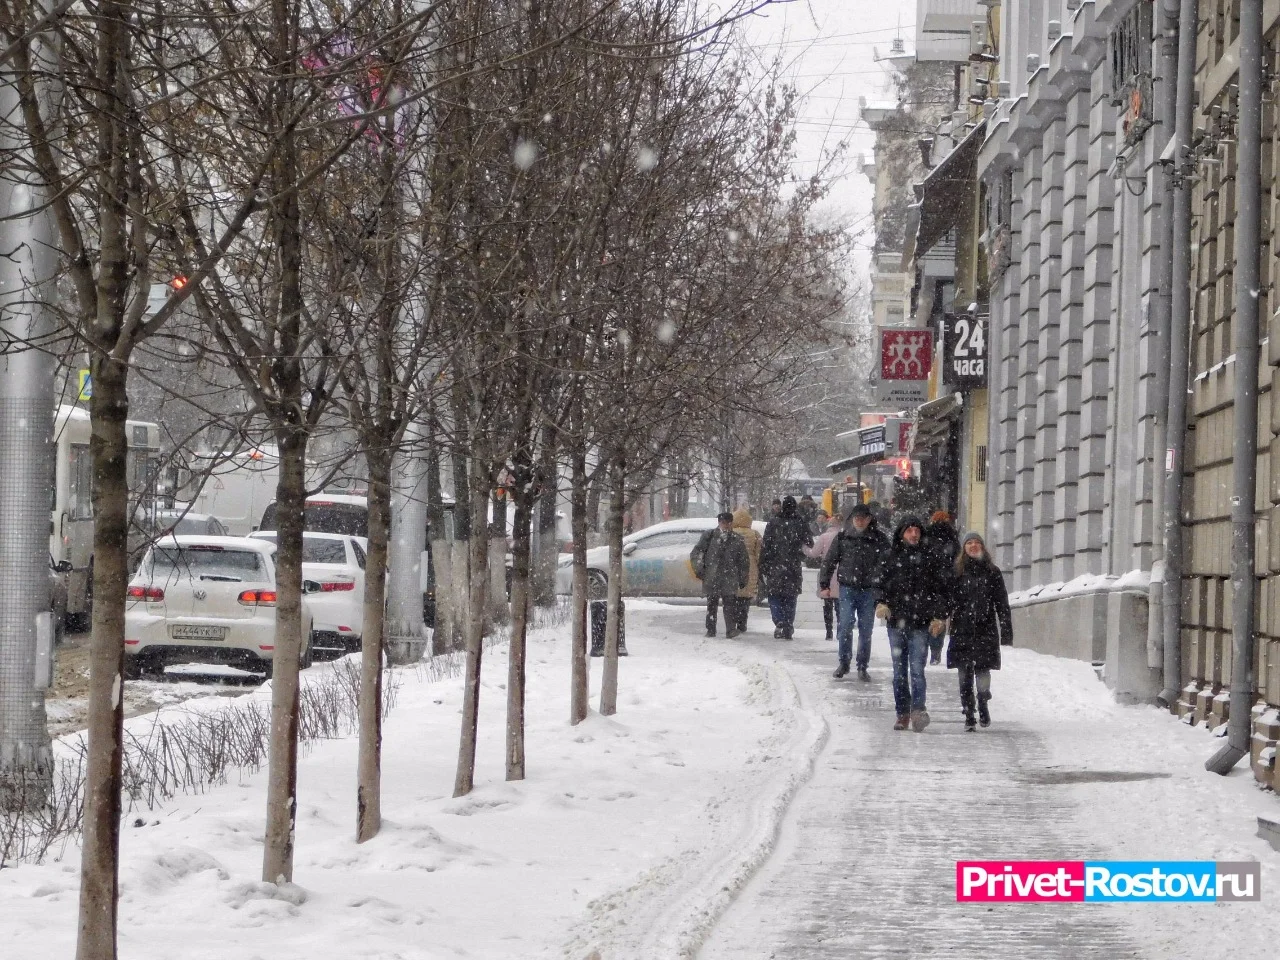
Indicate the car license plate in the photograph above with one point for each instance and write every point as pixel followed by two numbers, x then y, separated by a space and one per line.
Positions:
pixel 191 631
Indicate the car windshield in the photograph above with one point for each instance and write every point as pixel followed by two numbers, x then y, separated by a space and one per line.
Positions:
pixel 206 563
pixel 321 550
pixel 187 524
pixel 348 519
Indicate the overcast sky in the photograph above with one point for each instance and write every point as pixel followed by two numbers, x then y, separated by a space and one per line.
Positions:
pixel 829 49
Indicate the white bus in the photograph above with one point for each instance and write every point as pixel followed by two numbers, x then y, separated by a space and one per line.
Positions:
pixel 71 534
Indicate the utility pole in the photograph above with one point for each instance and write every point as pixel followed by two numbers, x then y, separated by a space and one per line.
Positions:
pixel 28 267
pixel 1244 480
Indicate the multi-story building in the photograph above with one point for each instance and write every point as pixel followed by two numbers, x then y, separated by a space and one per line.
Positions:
pixel 1063 236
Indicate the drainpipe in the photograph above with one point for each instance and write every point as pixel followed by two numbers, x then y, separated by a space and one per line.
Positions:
pixel 1245 449
pixel 1179 336
pixel 1162 182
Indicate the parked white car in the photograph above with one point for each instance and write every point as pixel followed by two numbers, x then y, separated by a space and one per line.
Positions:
pixel 655 561
pixel 201 599
pixel 336 563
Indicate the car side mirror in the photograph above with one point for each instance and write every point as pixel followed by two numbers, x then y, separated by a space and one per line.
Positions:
pixel 310 586
pixel 629 549
pixel 63 566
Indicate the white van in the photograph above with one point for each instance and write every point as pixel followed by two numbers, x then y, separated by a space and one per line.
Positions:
pixel 236 488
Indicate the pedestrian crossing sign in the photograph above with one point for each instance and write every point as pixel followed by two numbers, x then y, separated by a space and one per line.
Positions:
pixel 86 385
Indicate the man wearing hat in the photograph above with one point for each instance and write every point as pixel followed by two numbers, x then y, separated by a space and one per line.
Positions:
pixel 720 561
pixel 856 558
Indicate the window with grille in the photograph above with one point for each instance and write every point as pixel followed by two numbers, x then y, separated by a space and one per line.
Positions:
pixel 982 464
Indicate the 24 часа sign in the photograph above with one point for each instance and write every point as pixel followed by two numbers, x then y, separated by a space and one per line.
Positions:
pixel 964 351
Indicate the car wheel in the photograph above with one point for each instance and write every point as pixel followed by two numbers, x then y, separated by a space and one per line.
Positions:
pixel 308 656
pixel 597 585
pixel 134 667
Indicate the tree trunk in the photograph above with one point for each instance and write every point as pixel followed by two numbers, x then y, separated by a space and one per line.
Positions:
pixel 282 775
pixel 579 695
pixel 369 772
pixel 544 570
pixel 441 559
pixel 519 633
pixel 461 552
pixel 100 848
pixel 499 608
pixel 617 504
pixel 465 778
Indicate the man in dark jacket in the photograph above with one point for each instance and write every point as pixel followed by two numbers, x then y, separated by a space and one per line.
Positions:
pixel 914 599
pixel 942 541
pixel 856 556
pixel 782 562
pixel 720 561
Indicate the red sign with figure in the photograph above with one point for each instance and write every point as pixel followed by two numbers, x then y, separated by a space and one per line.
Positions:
pixel 905 354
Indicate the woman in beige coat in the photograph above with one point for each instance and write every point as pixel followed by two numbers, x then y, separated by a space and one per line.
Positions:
pixel 742 527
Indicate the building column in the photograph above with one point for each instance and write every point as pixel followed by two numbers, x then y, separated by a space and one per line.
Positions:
pixel 1027 183
pixel 1047 346
pixel 1075 246
pixel 1095 346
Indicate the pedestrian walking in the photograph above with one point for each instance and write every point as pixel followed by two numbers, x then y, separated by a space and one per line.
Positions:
pixel 782 560
pixel 942 541
pixel 828 587
pixel 856 560
pixel 754 544
pixel 720 561
pixel 914 597
pixel 981 623
pixel 809 510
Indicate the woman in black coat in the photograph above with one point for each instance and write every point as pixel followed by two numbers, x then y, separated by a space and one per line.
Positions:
pixel 782 565
pixel 980 624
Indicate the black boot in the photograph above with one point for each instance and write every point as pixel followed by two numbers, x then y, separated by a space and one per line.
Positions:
pixel 984 715
pixel 970 725
pixel 841 670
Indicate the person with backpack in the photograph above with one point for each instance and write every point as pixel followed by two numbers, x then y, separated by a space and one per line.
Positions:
pixel 720 561
pixel 942 541
pixel 855 560
pixel 914 595
pixel 981 623
pixel 782 561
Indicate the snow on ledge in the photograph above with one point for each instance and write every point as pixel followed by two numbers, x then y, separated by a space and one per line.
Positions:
pixel 1091 583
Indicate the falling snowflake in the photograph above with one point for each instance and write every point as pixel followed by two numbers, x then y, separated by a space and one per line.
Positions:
pixel 666 331
pixel 646 159
pixel 525 154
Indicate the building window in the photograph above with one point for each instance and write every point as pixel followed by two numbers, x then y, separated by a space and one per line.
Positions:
pixel 982 464
pixel 1130 51
pixel 893 316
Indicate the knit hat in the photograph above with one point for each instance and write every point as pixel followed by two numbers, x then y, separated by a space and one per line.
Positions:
pixel 973 535
pixel 724 517
pixel 859 510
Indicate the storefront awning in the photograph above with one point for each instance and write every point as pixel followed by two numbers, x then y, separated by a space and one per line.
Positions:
pixel 934 421
pixel 945 196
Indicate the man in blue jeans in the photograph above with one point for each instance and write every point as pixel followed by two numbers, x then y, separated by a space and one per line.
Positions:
pixel 913 601
pixel 856 559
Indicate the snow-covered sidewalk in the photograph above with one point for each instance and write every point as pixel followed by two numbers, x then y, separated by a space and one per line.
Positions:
pixel 625 838
pixel 741 797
